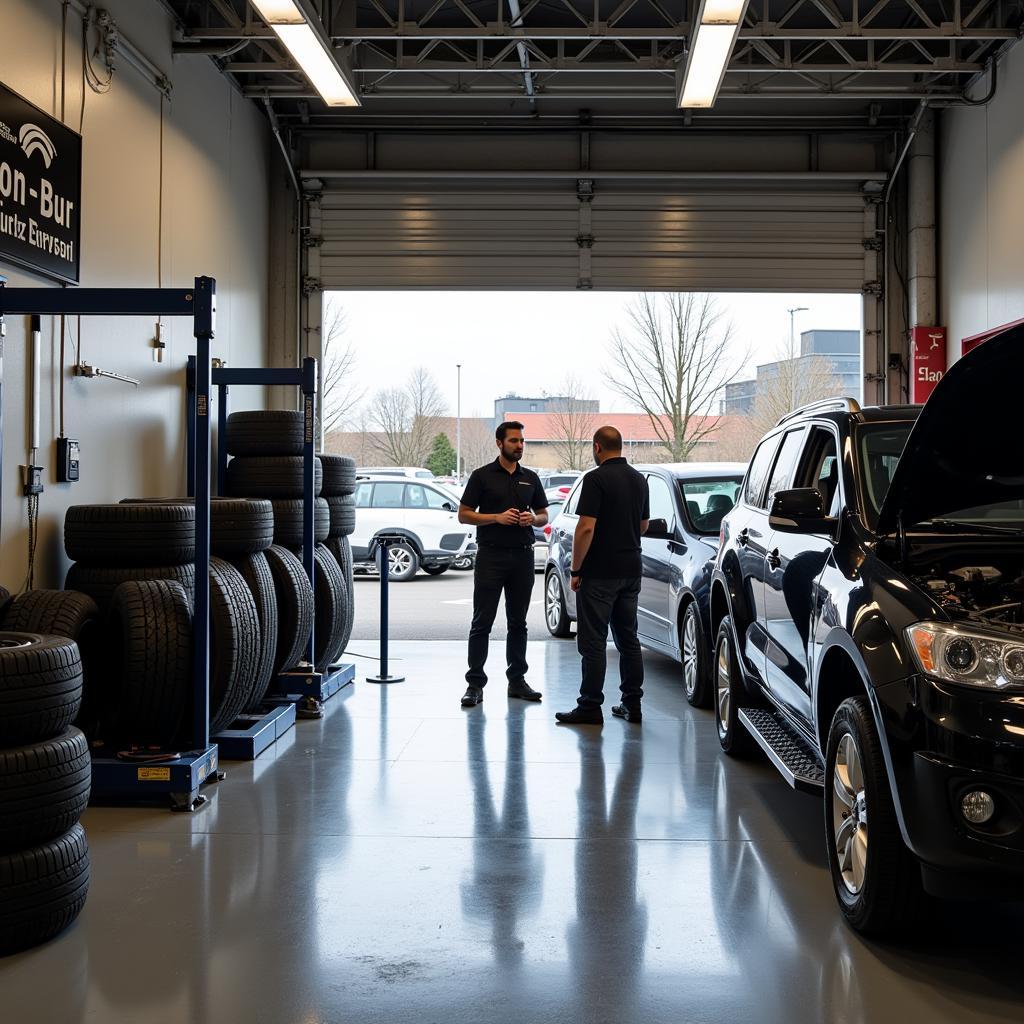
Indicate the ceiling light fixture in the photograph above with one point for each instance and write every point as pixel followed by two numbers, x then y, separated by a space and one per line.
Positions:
pixel 302 34
pixel 711 42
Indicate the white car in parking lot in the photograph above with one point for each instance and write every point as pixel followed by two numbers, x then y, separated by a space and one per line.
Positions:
pixel 420 519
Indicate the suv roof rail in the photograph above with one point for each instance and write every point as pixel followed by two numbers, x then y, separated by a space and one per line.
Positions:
pixel 825 405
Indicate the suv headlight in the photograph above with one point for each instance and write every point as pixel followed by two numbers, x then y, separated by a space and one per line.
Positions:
pixel 971 659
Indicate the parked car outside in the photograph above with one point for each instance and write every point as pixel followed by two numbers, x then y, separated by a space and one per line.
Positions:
pixel 868 610
pixel 673 617
pixel 466 559
pixel 413 472
pixel 542 537
pixel 421 517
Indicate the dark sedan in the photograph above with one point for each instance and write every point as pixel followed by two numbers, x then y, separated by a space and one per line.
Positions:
pixel 673 617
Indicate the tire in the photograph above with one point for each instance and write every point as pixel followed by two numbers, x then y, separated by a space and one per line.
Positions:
pixel 331 601
pixel 693 650
pixel 130 535
pixel 294 607
pixel 100 583
pixel 42 890
pixel 288 521
pixel 273 476
pixel 5 600
pixel 72 615
pixel 435 570
pixel 40 687
pixel 339 476
pixel 256 573
pixel 265 432
pixel 464 563
pixel 879 887
pixel 403 562
pixel 343 516
pixel 44 789
pixel 729 696
pixel 238 526
pixel 234 645
pixel 150 650
pixel 341 549
pixel 556 614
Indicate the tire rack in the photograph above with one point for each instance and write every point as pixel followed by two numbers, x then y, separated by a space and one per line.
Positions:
pixel 304 686
pixel 180 778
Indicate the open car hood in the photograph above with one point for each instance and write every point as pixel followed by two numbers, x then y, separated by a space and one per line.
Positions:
pixel 966 447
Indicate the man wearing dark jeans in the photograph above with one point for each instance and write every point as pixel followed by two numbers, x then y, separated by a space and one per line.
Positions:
pixel 504 502
pixel 613 510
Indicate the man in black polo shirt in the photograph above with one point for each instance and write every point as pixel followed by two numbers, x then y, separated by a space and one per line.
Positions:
pixel 504 502
pixel 613 510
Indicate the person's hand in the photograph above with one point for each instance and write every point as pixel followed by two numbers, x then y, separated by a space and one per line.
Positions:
pixel 526 518
pixel 510 517
pixel 574 583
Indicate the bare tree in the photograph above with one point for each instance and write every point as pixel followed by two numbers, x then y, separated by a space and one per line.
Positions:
pixel 339 393
pixel 478 446
pixel 571 425
pixel 671 362
pixel 404 421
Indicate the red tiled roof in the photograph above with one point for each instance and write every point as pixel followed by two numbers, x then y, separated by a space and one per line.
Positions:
pixel 633 426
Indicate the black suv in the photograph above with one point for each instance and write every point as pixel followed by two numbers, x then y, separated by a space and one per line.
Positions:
pixel 868 613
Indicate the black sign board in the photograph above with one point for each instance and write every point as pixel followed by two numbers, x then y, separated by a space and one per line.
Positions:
pixel 40 190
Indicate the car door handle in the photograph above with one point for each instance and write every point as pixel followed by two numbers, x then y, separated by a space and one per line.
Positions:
pixel 743 537
pixel 774 561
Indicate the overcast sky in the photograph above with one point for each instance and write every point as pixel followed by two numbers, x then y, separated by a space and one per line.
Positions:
pixel 527 342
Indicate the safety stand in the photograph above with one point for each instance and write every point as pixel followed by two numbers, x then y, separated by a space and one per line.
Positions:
pixel 177 777
pixel 304 687
pixel 251 734
pixel 382 544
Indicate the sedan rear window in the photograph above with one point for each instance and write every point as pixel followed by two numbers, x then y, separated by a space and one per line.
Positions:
pixel 707 501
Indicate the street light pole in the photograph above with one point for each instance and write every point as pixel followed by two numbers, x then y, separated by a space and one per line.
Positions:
pixel 792 355
pixel 458 425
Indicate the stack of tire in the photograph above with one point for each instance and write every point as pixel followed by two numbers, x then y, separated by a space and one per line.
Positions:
pixel 45 776
pixel 339 490
pixel 266 449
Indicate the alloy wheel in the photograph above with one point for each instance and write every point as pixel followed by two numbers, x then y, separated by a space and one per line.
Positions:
pixel 553 602
pixel 399 561
pixel 690 655
pixel 850 815
pixel 723 697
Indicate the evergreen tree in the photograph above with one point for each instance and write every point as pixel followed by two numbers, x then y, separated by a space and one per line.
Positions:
pixel 441 461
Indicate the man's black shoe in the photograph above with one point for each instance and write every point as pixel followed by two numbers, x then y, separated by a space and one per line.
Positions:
pixel 633 714
pixel 520 688
pixel 474 695
pixel 580 716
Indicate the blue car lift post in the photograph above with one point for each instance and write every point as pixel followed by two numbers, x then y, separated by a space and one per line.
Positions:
pixel 179 778
pixel 305 686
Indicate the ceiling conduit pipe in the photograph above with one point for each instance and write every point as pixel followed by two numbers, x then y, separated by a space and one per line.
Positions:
pixel 524 56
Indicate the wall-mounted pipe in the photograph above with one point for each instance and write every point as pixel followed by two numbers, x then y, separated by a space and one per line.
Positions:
pixel 37 376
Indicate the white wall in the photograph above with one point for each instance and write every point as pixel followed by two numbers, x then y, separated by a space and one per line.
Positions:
pixel 215 222
pixel 981 214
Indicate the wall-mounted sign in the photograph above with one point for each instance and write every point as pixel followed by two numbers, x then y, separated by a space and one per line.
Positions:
pixel 927 360
pixel 40 190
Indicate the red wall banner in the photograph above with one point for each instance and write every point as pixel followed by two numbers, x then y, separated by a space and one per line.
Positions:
pixel 927 360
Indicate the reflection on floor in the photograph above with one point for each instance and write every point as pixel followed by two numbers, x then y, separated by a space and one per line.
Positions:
pixel 403 860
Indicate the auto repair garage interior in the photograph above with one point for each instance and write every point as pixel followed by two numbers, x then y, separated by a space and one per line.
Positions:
pixel 390 856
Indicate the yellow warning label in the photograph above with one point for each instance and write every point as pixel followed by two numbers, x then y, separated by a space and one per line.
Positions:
pixel 154 775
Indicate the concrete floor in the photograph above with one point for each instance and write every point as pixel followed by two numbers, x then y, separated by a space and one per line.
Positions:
pixel 403 860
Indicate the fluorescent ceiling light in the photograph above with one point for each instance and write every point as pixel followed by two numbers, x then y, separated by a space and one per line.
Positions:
pixel 728 12
pixel 310 49
pixel 279 12
pixel 706 66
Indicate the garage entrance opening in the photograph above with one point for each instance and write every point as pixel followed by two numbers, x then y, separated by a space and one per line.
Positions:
pixel 415 382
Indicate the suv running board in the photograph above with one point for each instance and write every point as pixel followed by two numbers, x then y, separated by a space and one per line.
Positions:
pixel 796 760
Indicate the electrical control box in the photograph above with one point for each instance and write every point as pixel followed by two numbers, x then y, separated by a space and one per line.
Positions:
pixel 67 460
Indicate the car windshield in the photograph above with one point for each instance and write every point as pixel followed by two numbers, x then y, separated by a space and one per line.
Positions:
pixel 707 501
pixel 880 446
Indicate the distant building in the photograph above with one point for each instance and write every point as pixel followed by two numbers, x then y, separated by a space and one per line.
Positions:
pixel 516 406
pixel 841 349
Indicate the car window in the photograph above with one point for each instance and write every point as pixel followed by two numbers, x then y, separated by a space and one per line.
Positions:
pixel 573 500
pixel 707 501
pixel 662 506
pixel 388 495
pixel 435 499
pixel 415 496
pixel 879 447
pixel 758 471
pixel 820 468
pixel 363 492
pixel 785 463
pixel 424 474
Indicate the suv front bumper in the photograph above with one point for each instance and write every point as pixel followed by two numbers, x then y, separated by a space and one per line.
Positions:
pixel 945 741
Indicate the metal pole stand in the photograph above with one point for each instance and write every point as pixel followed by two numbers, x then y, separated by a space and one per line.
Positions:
pixel 385 572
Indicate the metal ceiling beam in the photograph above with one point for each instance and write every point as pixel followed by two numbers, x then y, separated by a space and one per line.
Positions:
pixel 569 174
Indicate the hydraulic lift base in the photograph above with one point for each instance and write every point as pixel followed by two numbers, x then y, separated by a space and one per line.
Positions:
pixel 319 686
pixel 252 734
pixel 117 781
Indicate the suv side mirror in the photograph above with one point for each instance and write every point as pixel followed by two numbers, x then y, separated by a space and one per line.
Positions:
pixel 657 529
pixel 449 507
pixel 800 510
